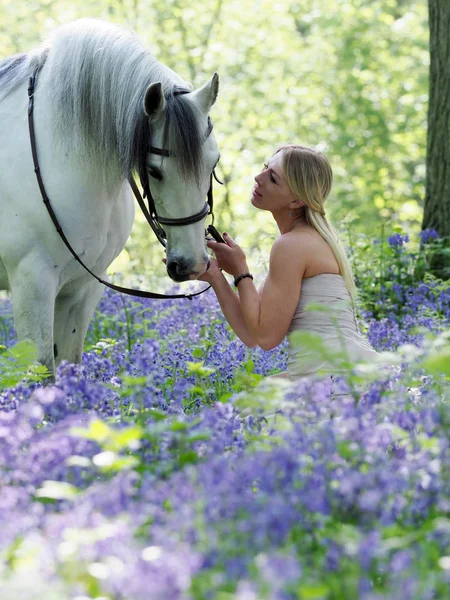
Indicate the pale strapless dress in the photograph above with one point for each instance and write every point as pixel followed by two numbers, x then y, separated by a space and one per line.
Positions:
pixel 337 327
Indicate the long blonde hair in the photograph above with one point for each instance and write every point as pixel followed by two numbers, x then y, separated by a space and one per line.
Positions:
pixel 309 176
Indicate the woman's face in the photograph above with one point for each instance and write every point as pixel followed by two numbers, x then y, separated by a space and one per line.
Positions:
pixel 271 191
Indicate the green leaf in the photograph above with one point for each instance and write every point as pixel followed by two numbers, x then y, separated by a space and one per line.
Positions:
pixel 438 363
pixel 18 362
pixel 133 382
pixel 110 461
pixel 126 438
pixel 249 366
pixel 188 457
pixel 179 426
pixel 198 436
pixel 23 353
pixel 57 490
pixel 158 415
pixel 13 551
pixel 98 431
pixel 313 591
pixel 345 450
pixel 199 369
pixel 78 461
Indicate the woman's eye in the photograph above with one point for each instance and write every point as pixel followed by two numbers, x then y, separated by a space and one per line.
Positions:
pixel 272 178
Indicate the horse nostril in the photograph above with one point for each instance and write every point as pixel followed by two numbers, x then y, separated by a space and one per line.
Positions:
pixel 172 268
pixel 177 269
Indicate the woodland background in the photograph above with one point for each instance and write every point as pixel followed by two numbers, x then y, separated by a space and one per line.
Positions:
pixel 189 473
pixel 347 76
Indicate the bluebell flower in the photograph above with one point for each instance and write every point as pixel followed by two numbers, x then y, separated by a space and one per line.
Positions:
pixel 428 235
pixel 211 491
pixel 397 240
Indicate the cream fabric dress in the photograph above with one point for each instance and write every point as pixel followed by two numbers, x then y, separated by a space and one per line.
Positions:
pixel 336 326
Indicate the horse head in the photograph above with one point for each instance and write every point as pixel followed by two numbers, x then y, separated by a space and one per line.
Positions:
pixel 179 177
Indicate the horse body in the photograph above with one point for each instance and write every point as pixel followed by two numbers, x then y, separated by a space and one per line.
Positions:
pixel 86 180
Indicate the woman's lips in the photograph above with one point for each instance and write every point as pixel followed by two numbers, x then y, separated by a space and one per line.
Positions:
pixel 256 193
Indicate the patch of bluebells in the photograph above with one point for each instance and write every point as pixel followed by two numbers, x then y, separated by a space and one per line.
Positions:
pixel 396 289
pixel 250 504
pixel 218 486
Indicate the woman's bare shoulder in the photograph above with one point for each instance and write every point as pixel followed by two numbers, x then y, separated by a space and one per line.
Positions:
pixel 294 246
pixel 311 249
pixel 299 237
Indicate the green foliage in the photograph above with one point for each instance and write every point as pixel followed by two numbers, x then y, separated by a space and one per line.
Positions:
pixel 349 76
pixel 19 362
pixel 385 272
pixel 56 490
pixel 150 427
pixel 437 361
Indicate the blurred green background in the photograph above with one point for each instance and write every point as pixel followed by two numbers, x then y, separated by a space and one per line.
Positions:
pixel 347 76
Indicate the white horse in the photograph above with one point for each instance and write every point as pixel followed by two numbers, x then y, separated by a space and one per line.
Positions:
pixel 101 101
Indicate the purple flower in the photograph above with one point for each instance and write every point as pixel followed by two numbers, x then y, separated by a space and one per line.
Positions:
pixel 333 556
pixel 222 495
pixel 401 561
pixel 397 240
pixel 428 235
pixel 370 500
pixel 369 548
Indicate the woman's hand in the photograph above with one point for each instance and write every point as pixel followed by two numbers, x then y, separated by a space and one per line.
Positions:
pixel 212 273
pixel 230 256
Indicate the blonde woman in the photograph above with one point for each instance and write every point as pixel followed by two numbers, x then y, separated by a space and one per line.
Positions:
pixel 308 265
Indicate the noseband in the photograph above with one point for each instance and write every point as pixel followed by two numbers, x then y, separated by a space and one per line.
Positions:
pixel 149 213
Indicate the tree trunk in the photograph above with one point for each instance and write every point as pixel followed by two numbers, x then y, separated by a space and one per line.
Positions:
pixel 437 195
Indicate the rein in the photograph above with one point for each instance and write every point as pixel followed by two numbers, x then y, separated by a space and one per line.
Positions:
pixel 149 213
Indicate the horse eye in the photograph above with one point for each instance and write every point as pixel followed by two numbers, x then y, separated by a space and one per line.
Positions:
pixel 155 173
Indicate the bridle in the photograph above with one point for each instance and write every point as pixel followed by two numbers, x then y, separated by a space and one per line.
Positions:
pixel 150 213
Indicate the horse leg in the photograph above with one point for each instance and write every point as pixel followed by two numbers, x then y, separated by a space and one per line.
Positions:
pixel 73 313
pixel 33 298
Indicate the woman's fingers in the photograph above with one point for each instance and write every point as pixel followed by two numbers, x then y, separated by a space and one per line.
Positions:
pixel 229 240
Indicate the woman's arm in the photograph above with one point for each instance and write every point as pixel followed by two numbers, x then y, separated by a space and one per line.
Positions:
pixel 267 315
pixel 229 303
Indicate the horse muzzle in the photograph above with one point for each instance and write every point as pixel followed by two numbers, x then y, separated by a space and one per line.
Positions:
pixel 180 269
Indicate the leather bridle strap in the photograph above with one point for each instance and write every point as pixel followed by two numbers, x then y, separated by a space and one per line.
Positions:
pixel 46 200
pixel 152 221
pixel 186 220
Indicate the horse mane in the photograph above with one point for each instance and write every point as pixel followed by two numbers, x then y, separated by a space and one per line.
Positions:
pixel 11 73
pixel 97 75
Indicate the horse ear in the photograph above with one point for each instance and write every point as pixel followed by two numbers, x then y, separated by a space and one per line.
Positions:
pixel 154 102
pixel 207 94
